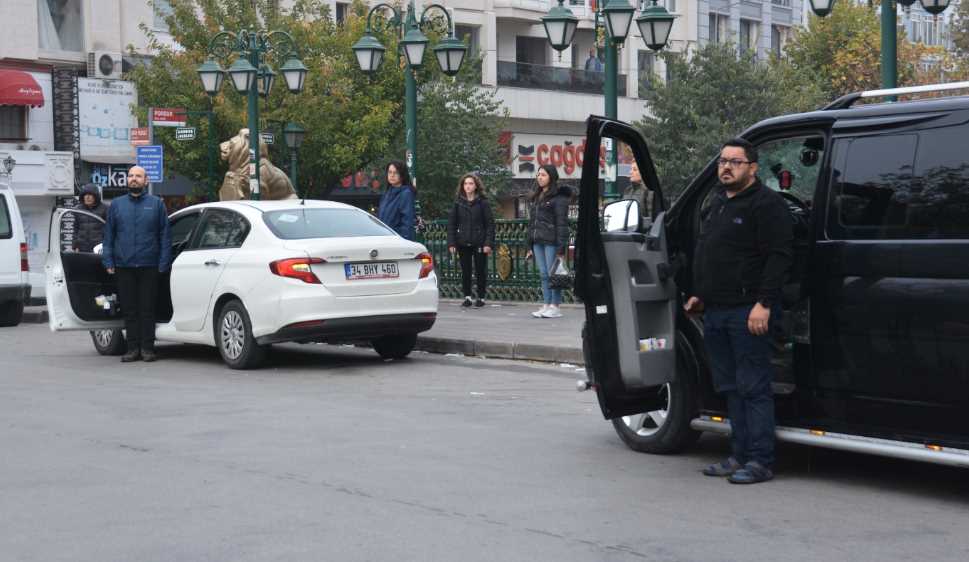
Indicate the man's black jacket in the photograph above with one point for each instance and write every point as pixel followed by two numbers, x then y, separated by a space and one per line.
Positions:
pixel 744 252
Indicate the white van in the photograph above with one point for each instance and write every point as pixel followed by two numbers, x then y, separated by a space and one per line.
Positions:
pixel 14 282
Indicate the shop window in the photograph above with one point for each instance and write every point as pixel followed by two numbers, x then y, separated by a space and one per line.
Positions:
pixel 60 25
pixel 13 123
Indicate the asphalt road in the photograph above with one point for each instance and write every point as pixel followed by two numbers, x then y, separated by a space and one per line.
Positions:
pixel 333 454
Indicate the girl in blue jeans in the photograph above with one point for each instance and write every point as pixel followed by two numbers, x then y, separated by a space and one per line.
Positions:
pixel 548 233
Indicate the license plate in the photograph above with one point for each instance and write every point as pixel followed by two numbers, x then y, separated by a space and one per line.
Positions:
pixel 376 270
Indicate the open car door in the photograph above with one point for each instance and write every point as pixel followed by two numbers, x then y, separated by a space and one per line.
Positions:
pixel 623 276
pixel 81 295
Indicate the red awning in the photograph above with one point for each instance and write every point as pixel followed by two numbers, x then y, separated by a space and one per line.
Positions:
pixel 19 88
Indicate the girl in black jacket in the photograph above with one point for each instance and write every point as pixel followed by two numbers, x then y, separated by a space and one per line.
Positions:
pixel 471 233
pixel 548 233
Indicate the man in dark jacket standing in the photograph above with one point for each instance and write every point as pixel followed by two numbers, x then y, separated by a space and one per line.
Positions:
pixel 137 248
pixel 742 260
pixel 90 231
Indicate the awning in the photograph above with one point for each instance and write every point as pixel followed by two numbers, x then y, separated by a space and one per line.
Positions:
pixel 19 88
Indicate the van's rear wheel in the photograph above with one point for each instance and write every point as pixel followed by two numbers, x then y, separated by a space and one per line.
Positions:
pixel 108 342
pixel 666 430
pixel 11 313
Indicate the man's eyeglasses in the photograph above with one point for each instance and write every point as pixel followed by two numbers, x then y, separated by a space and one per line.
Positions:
pixel 732 162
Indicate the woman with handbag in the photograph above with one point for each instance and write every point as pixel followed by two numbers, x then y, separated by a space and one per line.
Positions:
pixel 471 234
pixel 548 234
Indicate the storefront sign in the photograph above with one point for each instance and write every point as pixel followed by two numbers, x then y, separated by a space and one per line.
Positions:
pixel 106 119
pixel 530 152
pixel 109 176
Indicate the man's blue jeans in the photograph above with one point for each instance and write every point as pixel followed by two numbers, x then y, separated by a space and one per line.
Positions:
pixel 742 371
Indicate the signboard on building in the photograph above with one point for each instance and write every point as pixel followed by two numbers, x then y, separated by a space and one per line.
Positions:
pixel 168 116
pixel 110 176
pixel 151 158
pixel 140 136
pixel 529 152
pixel 106 117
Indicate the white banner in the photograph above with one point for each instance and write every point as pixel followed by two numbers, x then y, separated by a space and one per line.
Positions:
pixel 106 119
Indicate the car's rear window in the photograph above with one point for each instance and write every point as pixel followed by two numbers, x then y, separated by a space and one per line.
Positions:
pixel 296 224
pixel 6 231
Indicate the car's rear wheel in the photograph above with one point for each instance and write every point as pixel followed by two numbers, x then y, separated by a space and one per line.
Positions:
pixel 11 313
pixel 108 342
pixel 233 335
pixel 395 347
pixel 667 429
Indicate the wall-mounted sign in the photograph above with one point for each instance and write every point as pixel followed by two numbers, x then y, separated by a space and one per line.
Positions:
pixel 168 116
pixel 185 133
pixel 139 136
pixel 110 175
pixel 151 158
pixel 529 152
pixel 106 118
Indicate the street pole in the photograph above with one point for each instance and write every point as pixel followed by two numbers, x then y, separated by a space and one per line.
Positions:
pixel 889 45
pixel 610 92
pixel 211 141
pixel 410 105
pixel 292 168
pixel 254 120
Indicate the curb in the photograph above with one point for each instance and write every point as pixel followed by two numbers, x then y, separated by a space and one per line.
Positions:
pixel 35 315
pixel 498 350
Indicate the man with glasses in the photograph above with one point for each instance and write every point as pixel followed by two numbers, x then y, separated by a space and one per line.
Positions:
pixel 742 259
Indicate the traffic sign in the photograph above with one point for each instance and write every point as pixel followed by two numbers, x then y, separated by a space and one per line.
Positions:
pixel 139 136
pixel 185 133
pixel 168 116
pixel 151 158
pixel 267 138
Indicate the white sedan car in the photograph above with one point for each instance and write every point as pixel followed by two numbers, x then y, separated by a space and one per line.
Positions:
pixel 247 274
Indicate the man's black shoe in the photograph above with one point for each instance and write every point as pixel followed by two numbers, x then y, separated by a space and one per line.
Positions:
pixel 131 356
pixel 479 303
pixel 148 356
pixel 752 473
pixel 723 468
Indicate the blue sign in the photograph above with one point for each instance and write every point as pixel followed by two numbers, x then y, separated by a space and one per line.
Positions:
pixel 152 160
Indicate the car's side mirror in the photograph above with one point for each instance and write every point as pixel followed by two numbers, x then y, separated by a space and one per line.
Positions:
pixel 622 216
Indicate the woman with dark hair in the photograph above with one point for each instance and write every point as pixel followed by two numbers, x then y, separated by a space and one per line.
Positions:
pixel 471 233
pixel 548 233
pixel 396 208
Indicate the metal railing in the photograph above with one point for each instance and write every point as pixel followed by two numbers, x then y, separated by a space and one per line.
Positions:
pixel 542 77
pixel 510 276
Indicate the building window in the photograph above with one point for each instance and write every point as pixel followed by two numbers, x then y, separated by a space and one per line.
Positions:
pixel 342 10
pixel 647 62
pixel 531 50
pixel 60 26
pixel 13 122
pixel 719 28
pixel 778 39
pixel 163 9
pixel 670 5
pixel 748 36
pixel 469 35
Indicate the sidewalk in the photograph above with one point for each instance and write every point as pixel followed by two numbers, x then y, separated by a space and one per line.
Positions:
pixel 502 330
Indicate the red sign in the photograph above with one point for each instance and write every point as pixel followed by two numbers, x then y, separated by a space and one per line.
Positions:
pixel 139 136
pixel 168 116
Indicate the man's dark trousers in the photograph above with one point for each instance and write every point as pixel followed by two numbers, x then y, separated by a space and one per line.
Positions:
pixel 742 371
pixel 467 254
pixel 138 291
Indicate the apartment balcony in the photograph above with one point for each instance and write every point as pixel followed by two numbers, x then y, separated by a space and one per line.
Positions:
pixel 559 79
pixel 529 9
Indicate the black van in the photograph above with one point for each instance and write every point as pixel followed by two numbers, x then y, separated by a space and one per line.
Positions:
pixel 874 354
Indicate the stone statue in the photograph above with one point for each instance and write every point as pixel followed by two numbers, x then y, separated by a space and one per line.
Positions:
pixel 273 184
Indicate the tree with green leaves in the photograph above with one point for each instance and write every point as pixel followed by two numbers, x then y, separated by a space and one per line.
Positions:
pixel 712 96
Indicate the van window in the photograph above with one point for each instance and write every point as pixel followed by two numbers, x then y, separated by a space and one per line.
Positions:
pixel 901 186
pixel 6 230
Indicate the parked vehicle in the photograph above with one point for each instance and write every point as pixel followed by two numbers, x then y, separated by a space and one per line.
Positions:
pixel 14 282
pixel 247 274
pixel 875 351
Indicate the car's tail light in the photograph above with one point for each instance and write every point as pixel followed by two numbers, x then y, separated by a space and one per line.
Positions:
pixel 24 265
pixel 427 264
pixel 297 268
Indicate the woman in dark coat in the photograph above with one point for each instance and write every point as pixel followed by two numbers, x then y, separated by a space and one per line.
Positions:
pixel 548 233
pixel 471 233
pixel 397 208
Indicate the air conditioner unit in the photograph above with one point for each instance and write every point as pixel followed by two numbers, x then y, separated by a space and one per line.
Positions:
pixel 104 64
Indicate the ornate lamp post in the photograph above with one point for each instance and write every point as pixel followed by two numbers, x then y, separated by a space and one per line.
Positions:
pixel 252 76
pixel 889 57
pixel 293 135
pixel 450 54
pixel 655 24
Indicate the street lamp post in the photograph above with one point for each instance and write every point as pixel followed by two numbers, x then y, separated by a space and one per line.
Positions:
pixel 655 24
pixel 450 54
pixel 293 135
pixel 889 31
pixel 252 76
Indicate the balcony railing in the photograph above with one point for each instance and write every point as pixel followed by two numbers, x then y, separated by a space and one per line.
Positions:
pixel 541 77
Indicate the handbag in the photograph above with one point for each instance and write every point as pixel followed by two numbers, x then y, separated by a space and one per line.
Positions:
pixel 560 277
